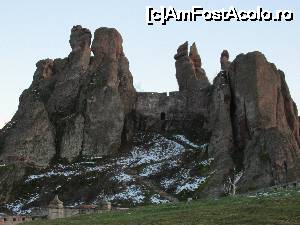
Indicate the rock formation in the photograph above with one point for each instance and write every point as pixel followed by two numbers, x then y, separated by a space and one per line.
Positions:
pixel 77 105
pixel 86 105
pixel 189 74
pixel 254 125
pixel 265 127
pixel 221 143
pixel 224 60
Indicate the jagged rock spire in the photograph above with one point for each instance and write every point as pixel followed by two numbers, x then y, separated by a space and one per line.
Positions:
pixel 194 56
pixel 224 60
pixel 80 41
pixel 190 76
pixel 182 51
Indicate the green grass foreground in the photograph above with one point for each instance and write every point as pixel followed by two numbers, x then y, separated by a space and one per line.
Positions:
pixel 265 209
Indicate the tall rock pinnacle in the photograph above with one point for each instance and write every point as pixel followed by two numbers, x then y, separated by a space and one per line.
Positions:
pixel 224 60
pixel 190 76
pixel 77 105
pixel 80 41
pixel 264 122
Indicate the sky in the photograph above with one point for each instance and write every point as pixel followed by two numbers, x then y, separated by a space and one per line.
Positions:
pixel 32 30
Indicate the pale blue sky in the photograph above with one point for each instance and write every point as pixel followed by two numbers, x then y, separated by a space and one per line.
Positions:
pixel 33 29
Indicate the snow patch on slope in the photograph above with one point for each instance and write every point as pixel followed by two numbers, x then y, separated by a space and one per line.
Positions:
pixel 151 169
pixel 168 165
pixel 160 150
pixel 132 193
pixel 156 199
pixel 123 178
pixel 191 185
pixel 186 141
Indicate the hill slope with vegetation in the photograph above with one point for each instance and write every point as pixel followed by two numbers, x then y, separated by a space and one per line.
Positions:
pixel 273 208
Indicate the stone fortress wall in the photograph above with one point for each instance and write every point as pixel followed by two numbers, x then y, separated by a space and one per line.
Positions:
pixel 172 109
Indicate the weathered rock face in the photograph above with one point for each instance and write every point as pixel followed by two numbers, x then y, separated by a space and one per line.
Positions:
pixel 29 136
pixel 265 124
pixel 80 41
pixel 190 76
pixel 87 105
pixel 221 141
pixel 9 176
pixel 254 125
pixel 78 105
pixel 110 95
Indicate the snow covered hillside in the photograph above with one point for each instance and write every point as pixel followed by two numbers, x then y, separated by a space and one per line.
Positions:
pixel 159 169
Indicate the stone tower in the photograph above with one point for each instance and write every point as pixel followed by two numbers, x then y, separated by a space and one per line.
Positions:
pixel 55 209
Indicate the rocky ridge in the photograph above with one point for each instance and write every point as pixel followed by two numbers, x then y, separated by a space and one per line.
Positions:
pixel 86 106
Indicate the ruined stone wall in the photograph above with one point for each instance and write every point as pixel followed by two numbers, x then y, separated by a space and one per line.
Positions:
pixel 179 111
pixel 158 105
pixel 175 105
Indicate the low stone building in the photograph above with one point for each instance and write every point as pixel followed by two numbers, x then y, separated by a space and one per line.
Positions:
pixel 12 220
pixel 57 210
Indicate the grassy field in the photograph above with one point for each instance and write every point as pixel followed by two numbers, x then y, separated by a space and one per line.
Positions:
pixel 262 209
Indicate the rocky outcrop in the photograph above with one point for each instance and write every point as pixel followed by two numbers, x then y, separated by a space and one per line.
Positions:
pixel 75 106
pixel 29 136
pixel 265 124
pixel 110 96
pixel 190 76
pixel 221 144
pixel 86 105
pixel 254 126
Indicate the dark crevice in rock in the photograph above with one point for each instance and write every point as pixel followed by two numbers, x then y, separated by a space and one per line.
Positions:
pixel 83 136
pixel 127 132
pixel 237 153
pixel 81 108
pixel 59 131
pixel 1 142
pixel 83 132
pixel 232 111
pixel 248 133
pixel 277 106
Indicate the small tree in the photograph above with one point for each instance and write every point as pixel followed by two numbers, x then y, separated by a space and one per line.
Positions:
pixel 230 184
